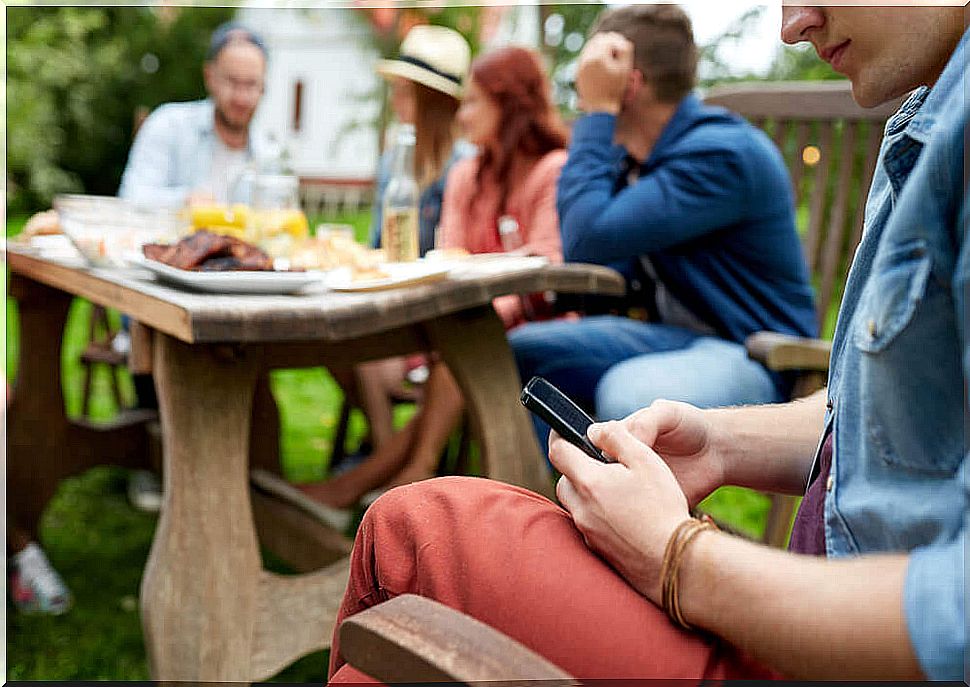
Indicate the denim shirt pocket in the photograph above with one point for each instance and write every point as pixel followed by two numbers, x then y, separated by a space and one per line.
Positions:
pixel 901 329
pixel 893 295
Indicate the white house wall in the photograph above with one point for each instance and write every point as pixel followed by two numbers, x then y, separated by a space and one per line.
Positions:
pixel 328 51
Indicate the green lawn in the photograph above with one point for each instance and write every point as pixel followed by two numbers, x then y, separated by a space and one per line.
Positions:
pixel 100 544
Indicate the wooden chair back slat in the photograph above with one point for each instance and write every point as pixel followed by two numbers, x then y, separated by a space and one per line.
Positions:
pixel 796 165
pixel 800 115
pixel 816 208
pixel 873 143
pixel 834 253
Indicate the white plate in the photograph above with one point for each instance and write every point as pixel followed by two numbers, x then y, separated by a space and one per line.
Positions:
pixel 399 274
pixel 232 282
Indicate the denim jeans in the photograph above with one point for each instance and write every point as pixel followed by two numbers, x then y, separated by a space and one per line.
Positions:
pixel 613 366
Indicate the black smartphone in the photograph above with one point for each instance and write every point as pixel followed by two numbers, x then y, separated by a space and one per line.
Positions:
pixel 565 417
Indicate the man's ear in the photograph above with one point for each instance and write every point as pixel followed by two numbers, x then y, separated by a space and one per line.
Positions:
pixel 208 75
pixel 634 88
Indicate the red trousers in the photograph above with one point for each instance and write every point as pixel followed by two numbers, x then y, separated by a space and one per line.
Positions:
pixel 514 561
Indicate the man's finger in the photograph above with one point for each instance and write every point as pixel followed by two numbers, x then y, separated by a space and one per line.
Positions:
pixel 568 459
pixel 566 493
pixel 649 424
pixel 615 440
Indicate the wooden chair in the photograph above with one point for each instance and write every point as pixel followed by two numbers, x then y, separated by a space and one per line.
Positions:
pixel 100 353
pixel 830 145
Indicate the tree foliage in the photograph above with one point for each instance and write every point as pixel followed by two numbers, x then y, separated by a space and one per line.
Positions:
pixel 75 77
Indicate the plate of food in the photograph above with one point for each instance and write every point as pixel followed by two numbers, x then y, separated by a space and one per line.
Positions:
pixel 388 275
pixel 216 263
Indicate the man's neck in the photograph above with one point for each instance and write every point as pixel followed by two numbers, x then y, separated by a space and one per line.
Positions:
pixel 645 129
pixel 232 137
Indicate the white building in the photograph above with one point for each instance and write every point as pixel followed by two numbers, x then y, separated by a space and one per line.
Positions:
pixel 322 96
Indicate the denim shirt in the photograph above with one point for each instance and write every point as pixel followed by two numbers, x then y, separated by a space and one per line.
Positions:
pixel 172 154
pixel 900 367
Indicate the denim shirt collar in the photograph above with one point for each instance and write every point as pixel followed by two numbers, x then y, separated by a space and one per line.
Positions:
pixel 912 126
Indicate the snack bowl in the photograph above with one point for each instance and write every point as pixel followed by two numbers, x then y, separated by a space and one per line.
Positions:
pixel 106 230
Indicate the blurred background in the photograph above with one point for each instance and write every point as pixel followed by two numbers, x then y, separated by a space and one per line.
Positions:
pixel 80 79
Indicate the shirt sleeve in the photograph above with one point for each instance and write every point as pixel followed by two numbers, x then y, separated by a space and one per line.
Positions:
pixel 146 176
pixel 684 197
pixel 934 594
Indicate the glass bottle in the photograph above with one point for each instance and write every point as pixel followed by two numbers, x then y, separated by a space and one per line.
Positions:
pixel 399 229
pixel 509 234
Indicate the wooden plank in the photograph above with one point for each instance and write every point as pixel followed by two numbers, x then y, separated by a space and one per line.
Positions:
pixel 295 616
pixel 411 639
pixel 802 130
pixel 320 315
pixel 474 347
pixel 873 144
pixel 780 134
pixel 201 584
pixel 296 537
pixel 816 212
pixel 154 311
pixel 797 100
pixel 835 240
pixel 140 355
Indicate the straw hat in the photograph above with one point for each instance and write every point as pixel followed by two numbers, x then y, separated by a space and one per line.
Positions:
pixel 434 56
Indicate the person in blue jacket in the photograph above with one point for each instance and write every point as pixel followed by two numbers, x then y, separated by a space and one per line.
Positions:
pixel 694 200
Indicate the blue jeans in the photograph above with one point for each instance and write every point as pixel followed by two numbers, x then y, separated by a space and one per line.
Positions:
pixel 613 366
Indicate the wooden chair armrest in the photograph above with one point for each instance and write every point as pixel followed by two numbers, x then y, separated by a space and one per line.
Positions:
pixel 781 352
pixel 411 639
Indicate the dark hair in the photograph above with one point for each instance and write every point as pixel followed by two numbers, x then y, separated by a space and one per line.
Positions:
pixel 513 78
pixel 663 46
pixel 434 127
pixel 232 32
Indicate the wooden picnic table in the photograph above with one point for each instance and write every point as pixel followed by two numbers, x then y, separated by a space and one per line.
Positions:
pixel 209 610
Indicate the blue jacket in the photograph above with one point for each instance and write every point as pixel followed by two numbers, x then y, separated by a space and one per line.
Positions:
pixel 712 209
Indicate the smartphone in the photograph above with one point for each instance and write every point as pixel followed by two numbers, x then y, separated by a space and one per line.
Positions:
pixel 559 412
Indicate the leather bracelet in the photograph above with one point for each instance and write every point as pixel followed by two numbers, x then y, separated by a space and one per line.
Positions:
pixel 670 567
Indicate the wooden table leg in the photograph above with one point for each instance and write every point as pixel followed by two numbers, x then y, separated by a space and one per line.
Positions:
pixel 209 611
pixel 474 346
pixel 44 446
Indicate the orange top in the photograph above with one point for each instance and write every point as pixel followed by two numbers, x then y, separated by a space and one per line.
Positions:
pixel 474 226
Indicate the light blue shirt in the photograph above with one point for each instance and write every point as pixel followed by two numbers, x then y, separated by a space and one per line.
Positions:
pixel 900 371
pixel 172 154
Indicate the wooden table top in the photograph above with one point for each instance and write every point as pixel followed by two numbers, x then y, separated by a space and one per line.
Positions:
pixel 318 314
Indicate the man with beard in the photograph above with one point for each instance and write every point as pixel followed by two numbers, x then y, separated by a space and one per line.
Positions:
pixel 194 152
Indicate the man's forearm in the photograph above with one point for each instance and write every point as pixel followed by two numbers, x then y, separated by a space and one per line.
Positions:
pixel 770 448
pixel 809 618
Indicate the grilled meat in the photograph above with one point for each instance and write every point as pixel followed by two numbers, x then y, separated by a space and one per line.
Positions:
pixel 204 250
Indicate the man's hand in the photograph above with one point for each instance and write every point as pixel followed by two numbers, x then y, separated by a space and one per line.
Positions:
pixel 626 511
pixel 686 438
pixel 604 72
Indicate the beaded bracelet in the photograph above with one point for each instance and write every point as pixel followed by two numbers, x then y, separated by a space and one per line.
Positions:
pixel 670 567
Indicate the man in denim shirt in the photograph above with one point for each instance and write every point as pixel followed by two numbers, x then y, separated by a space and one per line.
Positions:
pixel 887 598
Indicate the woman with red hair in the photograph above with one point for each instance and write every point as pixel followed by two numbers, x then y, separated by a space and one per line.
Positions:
pixel 501 200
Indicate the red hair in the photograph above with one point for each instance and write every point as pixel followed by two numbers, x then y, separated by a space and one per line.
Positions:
pixel 513 78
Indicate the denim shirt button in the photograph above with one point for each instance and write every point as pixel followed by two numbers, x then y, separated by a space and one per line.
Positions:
pixel 829 483
pixel 873 330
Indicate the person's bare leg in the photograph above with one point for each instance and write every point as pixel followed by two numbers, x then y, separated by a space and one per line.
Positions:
pixel 442 410
pixel 344 490
pixel 375 382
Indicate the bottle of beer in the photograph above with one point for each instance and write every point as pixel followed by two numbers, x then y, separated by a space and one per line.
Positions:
pixel 399 229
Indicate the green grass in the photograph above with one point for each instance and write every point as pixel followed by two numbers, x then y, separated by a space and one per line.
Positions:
pixel 100 544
